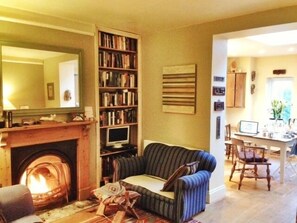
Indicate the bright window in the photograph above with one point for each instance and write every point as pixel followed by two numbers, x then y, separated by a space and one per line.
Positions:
pixel 280 89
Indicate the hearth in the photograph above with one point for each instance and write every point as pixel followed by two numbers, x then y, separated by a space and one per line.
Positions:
pixel 49 170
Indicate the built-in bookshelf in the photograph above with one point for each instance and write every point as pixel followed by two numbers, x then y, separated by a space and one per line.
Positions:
pixel 118 93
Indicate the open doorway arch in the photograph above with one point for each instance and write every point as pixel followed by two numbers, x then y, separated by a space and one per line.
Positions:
pixel 219 68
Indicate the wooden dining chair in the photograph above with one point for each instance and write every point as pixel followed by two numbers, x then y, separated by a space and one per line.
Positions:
pixel 248 158
pixel 228 143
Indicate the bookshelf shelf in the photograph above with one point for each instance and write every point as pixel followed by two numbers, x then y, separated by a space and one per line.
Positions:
pixel 108 126
pixel 117 107
pixel 118 92
pixel 117 50
pixel 117 69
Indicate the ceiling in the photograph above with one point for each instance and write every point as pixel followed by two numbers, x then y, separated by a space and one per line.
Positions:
pixel 146 16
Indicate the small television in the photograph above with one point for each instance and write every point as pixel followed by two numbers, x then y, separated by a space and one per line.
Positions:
pixel 117 136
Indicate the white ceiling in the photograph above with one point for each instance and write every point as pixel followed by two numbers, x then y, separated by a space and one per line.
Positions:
pixel 147 16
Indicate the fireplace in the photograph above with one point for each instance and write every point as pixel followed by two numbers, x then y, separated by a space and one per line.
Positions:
pixel 57 153
pixel 49 170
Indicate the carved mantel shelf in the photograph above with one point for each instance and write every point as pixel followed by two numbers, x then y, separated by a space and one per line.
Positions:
pixel 43 133
pixel 12 138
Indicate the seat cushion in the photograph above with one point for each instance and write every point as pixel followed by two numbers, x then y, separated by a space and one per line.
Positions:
pixel 250 157
pixel 151 183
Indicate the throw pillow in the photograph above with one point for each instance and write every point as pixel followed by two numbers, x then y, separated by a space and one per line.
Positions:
pixel 2 218
pixel 192 167
pixel 183 170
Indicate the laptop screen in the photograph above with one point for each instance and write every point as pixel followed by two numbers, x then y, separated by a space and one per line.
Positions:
pixel 249 127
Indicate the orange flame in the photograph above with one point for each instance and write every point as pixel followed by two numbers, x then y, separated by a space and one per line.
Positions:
pixel 38 185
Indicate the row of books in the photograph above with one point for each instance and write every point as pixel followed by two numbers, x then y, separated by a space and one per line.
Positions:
pixel 118 98
pixel 118 117
pixel 117 42
pixel 117 79
pixel 117 60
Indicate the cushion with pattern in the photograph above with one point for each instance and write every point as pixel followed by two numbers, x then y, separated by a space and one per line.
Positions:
pixel 183 170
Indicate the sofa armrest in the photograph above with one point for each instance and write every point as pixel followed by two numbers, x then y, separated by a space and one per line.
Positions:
pixel 190 194
pixel 125 167
pixel 192 181
pixel 207 161
pixel 16 202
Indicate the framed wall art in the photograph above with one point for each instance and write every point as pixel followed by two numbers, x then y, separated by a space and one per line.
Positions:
pixel 179 89
pixel 50 91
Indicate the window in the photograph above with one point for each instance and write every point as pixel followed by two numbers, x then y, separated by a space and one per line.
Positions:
pixel 280 89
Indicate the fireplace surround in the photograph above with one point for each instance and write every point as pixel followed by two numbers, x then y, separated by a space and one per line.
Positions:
pixel 69 141
pixel 49 170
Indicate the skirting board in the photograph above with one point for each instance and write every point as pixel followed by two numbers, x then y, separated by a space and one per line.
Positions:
pixel 216 194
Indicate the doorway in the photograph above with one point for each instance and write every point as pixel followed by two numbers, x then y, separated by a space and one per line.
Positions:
pixel 219 66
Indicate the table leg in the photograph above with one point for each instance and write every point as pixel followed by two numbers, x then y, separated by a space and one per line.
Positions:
pixel 283 154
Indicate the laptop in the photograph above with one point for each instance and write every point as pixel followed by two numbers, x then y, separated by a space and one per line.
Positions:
pixel 248 127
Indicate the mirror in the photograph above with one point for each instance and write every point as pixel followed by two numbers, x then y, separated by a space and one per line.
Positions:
pixel 38 79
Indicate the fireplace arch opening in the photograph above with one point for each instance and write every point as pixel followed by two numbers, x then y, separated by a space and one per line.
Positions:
pixel 49 171
pixel 49 180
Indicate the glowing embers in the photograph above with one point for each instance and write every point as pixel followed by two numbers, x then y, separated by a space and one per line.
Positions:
pixel 49 180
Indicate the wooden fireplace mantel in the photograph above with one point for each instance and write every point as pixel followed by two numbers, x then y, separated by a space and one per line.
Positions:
pixel 13 138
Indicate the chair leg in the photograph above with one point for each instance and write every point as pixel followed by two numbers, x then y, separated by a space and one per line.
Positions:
pixel 268 177
pixel 228 151
pixel 232 171
pixel 241 176
pixel 256 171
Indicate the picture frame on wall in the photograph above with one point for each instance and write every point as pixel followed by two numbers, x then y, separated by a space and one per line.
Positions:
pixel 50 91
pixel 219 91
pixel 219 106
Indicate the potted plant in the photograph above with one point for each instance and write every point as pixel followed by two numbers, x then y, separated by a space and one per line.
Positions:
pixel 277 107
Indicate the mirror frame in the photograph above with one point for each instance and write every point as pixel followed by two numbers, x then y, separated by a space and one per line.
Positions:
pixel 43 111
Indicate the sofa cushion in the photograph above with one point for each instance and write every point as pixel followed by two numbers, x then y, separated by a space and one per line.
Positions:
pixel 186 169
pixel 151 183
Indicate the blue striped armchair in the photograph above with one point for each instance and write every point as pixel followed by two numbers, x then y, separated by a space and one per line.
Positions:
pixel 147 174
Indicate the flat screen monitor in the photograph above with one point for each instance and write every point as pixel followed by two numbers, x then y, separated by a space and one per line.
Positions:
pixel 248 127
pixel 117 136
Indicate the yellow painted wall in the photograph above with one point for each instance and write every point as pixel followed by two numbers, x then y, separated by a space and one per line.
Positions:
pixel 22 78
pixel 185 46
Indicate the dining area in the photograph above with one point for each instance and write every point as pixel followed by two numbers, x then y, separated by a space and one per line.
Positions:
pixel 269 152
pixel 253 202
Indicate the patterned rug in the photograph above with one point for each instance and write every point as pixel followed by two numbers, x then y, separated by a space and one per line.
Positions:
pixel 52 215
pixel 144 217
pixel 91 207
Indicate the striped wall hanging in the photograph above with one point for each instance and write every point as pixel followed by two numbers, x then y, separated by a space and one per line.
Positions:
pixel 179 89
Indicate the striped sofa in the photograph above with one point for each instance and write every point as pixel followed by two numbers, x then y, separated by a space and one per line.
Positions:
pixel 147 174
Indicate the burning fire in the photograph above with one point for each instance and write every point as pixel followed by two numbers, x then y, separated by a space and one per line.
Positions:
pixel 38 185
pixel 39 181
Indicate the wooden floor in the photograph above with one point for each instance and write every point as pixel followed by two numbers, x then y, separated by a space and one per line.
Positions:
pixel 253 203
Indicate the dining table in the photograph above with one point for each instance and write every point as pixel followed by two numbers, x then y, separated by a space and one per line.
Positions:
pixel 277 140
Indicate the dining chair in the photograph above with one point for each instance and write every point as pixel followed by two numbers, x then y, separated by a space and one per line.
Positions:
pixel 247 156
pixel 228 143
